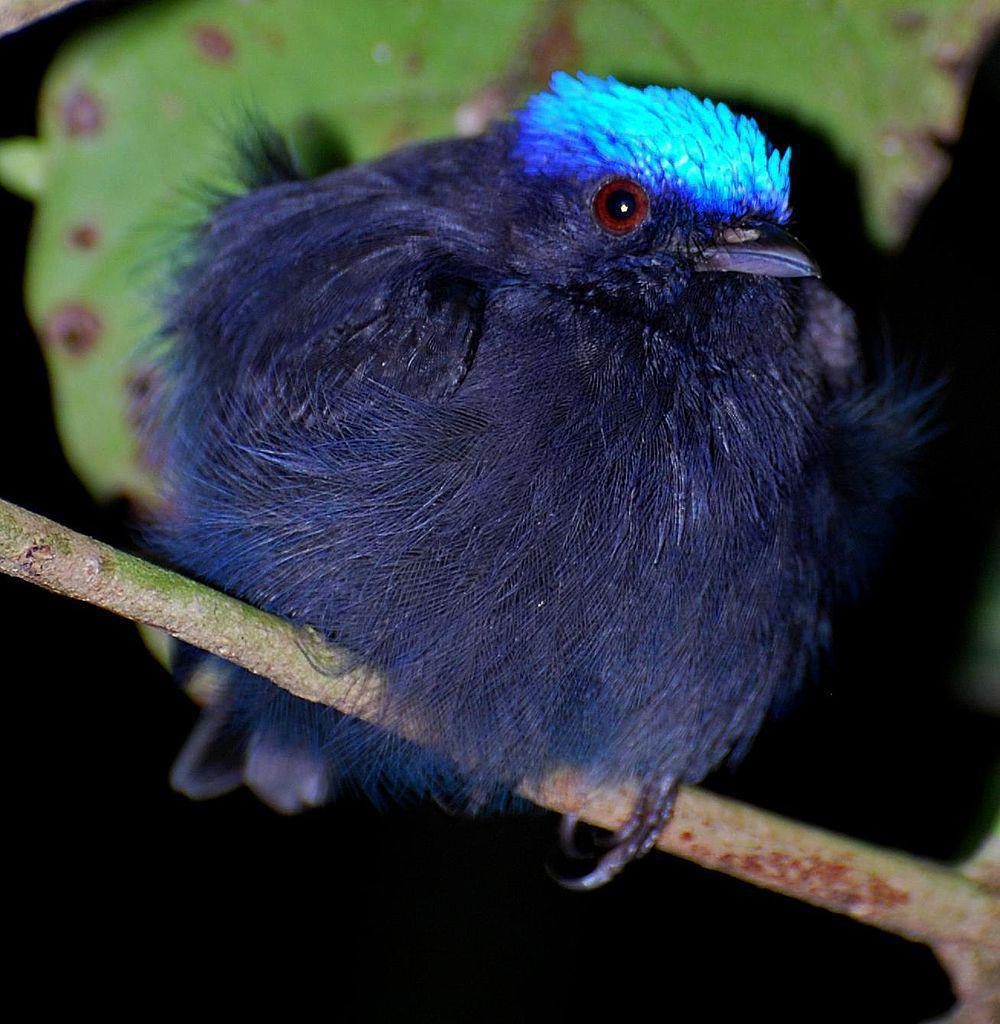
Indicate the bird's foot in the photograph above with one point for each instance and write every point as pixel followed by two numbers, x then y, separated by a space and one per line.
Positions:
pixel 633 840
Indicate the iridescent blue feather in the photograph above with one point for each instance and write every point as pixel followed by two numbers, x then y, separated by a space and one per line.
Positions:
pixel 666 138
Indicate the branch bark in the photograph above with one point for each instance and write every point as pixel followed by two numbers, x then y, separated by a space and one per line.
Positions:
pixel 957 915
pixel 15 14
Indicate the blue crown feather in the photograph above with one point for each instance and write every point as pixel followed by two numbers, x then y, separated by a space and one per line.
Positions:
pixel 667 139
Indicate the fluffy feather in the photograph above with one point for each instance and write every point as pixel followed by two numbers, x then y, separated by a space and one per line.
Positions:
pixel 581 505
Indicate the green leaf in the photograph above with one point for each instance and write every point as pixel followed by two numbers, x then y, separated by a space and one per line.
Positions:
pixel 979 676
pixel 22 166
pixel 135 113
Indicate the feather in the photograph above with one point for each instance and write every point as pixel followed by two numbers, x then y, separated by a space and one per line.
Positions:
pixel 581 505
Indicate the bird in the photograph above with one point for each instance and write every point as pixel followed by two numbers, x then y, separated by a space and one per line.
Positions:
pixel 557 428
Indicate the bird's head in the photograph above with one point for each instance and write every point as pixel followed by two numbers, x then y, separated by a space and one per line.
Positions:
pixel 628 192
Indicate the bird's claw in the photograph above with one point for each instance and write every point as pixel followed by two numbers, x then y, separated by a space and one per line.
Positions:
pixel 636 837
pixel 568 838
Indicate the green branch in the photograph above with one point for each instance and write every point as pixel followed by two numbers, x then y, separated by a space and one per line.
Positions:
pixel 957 914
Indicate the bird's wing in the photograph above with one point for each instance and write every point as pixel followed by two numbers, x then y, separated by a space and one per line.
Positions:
pixel 422 341
pixel 342 276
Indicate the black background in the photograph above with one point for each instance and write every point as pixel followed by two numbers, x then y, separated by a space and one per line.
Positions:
pixel 124 894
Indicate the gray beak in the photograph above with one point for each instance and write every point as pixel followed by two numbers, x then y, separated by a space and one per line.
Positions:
pixel 765 250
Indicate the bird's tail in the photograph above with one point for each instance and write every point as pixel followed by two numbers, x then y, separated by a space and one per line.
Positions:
pixel 250 733
pixel 294 754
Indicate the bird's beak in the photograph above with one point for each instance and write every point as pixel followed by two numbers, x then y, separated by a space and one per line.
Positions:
pixel 765 250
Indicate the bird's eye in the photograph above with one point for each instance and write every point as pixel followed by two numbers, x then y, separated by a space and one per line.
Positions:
pixel 620 205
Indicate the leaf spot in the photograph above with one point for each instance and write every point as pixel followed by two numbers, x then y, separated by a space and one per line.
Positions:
pixel 214 44
pixel 73 327
pixel 81 114
pixel 84 236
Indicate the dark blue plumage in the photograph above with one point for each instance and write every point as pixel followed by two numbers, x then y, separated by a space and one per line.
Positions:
pixel 583 489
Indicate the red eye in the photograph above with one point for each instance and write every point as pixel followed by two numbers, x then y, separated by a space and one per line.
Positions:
pixel 621 205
